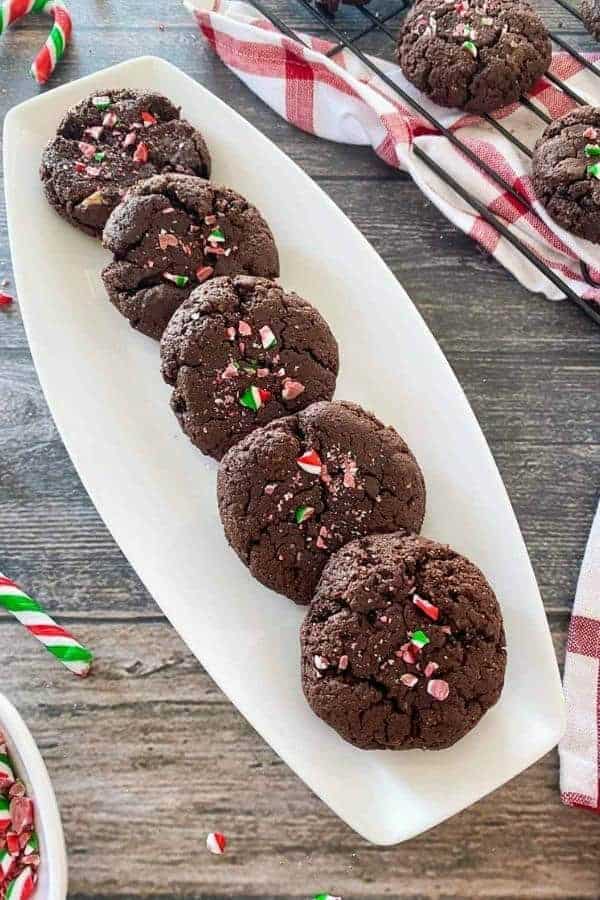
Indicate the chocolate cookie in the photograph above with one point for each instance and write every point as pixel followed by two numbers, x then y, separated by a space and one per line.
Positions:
pixel 566 171
pixel 476 56
pixel 240 352
pixel 107 143
pixel 590 13
pixel 403 644
pixel 292 493
pixel 173 232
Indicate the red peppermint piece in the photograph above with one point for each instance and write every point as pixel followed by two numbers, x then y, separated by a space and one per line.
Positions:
pixel 430 668
pixel 88 150
pixel 428 608
pixel 229 332
pixel 5 299
pixel 244 329
pixel 203 273
pixel 591 134
pixel 230 371
pixel 321 663
pixel 167 240
pixel 79 167
pixel 148 119
pixel 21 812
pixel 12 843
pixel 408 679
pixel 310 462
pixel 321 543
pixel 292 389
pixel 17 790
pixel 438 688
pixel 216 842
pixel 95 131
pixel 141 153
pixel 343 663
pixel 264 395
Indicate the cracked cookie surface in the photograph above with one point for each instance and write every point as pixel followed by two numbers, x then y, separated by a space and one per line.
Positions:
pixel 240 352
pixel 107 143
pixel 403 644
pixel 292 493
pixel 590 13
pixel 173 232
pixel 566 171
pixel 477 56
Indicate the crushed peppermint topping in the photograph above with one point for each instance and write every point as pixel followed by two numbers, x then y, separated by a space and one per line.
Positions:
pixel 292 389
pixel 216 843
pixel 438 688
pixel 267 338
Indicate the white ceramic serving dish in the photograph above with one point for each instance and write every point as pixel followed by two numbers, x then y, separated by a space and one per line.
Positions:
pixel 31 769
pixel 156 493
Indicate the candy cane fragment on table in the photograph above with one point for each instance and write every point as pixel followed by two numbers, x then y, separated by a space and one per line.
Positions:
pixel 56 42
pixel 56 639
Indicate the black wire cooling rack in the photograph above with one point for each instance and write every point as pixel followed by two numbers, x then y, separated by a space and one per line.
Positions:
pixel 377 24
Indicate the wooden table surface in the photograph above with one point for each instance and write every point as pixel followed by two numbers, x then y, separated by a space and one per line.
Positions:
pixel 148 755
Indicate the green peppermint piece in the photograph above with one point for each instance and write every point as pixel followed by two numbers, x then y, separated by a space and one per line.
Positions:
pixel 594 170
pixel 101 102
pixel 302 513
pixel 592 150
pixel 216 236
pixel 470 47
pixel 251 399
pixel 32 845
pixel 419 639
pixel 178 280
pixel 99 157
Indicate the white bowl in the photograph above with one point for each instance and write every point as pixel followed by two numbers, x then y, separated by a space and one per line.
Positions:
pixel 30 768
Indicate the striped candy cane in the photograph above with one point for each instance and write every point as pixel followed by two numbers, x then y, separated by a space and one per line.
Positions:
pixel 36 620
pixel 54 48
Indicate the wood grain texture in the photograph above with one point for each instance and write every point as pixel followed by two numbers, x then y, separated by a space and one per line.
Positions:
pixel 183 760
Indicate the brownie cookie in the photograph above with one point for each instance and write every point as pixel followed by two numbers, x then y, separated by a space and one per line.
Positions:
pixel 173 232
pixel 240 352
pixel 476 56
pixel 292 493
pixel 403 644
pixel 566 171
pixel 590 13
pixel 110 141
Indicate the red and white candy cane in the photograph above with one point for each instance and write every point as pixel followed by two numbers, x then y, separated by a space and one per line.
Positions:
pixel 54 48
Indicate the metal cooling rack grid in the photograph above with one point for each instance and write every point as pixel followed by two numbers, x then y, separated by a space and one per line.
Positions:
pixel 378 21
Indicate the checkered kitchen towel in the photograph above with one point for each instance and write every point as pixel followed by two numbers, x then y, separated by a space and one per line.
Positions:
pixel 580 747
pixel 342 100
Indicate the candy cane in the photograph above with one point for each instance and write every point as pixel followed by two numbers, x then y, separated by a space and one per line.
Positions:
pixel 36 620
pixel 54 48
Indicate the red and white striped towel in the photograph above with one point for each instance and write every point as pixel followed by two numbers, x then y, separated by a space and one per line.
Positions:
pixel 342 100
pixel 580 747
